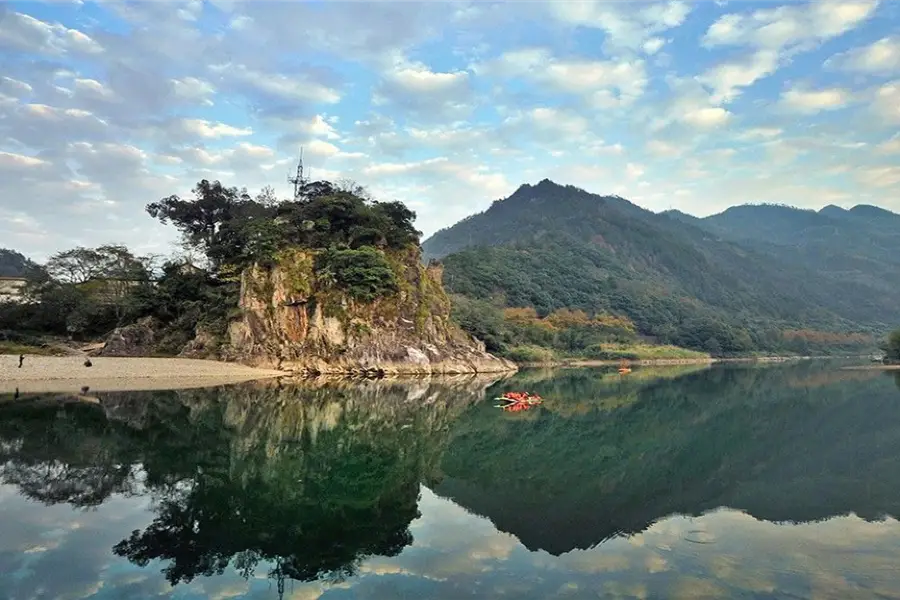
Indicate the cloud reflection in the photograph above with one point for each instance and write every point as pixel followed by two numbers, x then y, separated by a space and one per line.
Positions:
pixel 57 552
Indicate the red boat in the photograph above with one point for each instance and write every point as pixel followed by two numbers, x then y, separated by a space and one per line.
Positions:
pixel 517 401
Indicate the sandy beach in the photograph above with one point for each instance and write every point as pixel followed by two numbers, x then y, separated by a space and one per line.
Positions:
pixel 52 373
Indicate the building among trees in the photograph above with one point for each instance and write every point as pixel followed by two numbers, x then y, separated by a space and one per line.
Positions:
pixel 12 289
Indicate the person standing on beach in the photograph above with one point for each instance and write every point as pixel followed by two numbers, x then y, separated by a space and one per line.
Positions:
pixel 21 360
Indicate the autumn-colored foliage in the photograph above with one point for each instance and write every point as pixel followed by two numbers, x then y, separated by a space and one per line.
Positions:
pixel 567 318
pixel 827 337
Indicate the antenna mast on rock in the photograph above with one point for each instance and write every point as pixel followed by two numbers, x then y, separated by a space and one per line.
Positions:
pixel 299 180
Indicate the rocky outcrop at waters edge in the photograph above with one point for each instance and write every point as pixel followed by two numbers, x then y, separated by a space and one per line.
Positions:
pixel 290 322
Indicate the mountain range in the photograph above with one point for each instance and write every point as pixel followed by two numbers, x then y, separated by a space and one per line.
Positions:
pixel 753 278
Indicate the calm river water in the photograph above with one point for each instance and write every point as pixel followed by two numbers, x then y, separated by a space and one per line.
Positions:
pixel 690 482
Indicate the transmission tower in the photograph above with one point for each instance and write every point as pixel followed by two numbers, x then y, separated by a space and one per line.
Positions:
pixel 299 180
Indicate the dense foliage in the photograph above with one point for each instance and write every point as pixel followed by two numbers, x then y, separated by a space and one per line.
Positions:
pixel 891 347
pixel 522 335
pixel 234 230
pixel 81 293
pixel 859 246
pixel 364 274
pixel 552 247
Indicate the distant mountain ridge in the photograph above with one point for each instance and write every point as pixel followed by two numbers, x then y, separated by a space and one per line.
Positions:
pixel 861 245
pixel 735 281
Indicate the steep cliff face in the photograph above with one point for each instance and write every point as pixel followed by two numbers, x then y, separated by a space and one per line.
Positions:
pixel 291 320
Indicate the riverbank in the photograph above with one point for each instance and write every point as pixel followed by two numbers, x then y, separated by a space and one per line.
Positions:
pixel 52 373
pixel 661 362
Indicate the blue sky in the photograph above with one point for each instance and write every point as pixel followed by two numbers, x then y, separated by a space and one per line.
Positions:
pixel 105 107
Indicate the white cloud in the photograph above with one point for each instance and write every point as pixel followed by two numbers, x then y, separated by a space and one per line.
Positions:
pixel 11 161
pixel 634 171
pixel 92 89
pixel 14 87
pixel 886 104
pixel 653 45
pixel 757 133
pixel 193 89
pixel 279 86
pixel 417 78
pixel 599 81
pixel 422 92
pixel 789 26
pixel 808 101
pixel 880 58
pixel 40 126
pixel 727 79
pixel 208 129
pixel 880 177
pixel 25 33
pixel 312 127
pixel 890 146
pixel 663 149
pixel 391 169
pixel 322 149
pixel 707 117
pixel 551 120
pixel 628 27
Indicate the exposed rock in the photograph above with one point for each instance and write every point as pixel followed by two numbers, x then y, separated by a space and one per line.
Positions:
pixel 137 339
pixel 204 345
pixel 290 322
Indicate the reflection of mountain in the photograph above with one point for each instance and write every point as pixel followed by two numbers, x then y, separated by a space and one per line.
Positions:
pixel 306 480
pixel 748 438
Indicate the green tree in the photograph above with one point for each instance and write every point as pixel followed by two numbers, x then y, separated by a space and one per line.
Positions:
pixel 891 346
pixel 364 274
pixel 80 265
pixel 200 220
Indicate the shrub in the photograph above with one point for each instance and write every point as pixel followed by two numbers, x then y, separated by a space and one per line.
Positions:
pixel 528 354
pixel 364 274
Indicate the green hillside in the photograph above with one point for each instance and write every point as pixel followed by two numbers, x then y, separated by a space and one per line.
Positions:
pixel 859 246
pixel 680 280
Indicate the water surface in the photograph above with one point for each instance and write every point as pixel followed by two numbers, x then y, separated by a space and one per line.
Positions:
pixel 735 482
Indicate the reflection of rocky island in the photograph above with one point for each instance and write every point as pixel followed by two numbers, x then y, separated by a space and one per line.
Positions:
pixel 616 455
pixel 304 480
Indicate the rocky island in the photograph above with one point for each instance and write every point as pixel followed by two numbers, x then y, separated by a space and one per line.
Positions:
pixel 331 282
pixel 289 321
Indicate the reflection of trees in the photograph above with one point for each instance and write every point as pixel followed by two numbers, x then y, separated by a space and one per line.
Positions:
pixel 303 480
pixel 744 437
pixel 310 523
pixel 62 453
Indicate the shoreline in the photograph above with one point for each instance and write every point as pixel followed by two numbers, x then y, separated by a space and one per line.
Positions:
pixel 61 373
pixel 68 373
pixel 657 362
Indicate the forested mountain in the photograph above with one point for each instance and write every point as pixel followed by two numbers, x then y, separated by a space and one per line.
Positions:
pixel 717 284
pixel 860 245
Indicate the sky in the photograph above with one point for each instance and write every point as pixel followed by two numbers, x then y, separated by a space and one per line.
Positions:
pixel 446 106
